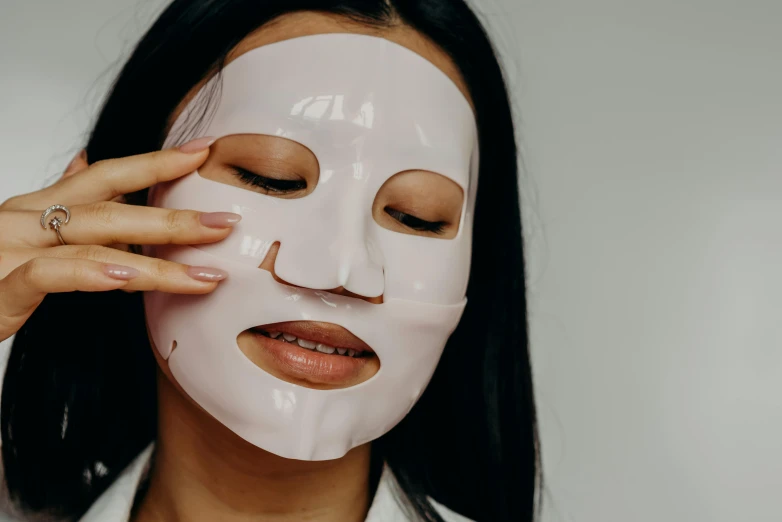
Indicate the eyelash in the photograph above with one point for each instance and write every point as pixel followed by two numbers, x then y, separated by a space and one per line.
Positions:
pixel 270 184
pixel 415 223
pixel 292 185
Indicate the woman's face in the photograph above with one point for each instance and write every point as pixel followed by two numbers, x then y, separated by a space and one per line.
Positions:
pixel 415 202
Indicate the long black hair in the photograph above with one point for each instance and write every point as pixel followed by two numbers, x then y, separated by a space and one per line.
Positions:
pixel 79 397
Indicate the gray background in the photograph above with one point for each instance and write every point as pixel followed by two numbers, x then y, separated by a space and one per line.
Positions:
pixel 652 135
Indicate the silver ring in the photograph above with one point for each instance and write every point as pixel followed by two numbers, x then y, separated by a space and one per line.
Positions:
pixel 56 222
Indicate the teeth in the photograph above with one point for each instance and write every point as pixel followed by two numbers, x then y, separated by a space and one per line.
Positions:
pixel 324 348
pixel 312 345
pixel 309 345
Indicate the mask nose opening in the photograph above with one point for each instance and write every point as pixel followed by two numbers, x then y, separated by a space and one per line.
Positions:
pixel 354 279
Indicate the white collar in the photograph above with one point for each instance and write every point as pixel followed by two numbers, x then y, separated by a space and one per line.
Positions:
pixel 115 503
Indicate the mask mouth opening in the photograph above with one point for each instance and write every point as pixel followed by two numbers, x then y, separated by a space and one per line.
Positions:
pixel 312 354
pixel 310 344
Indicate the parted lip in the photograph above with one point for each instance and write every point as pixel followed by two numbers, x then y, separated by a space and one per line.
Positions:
pixel 319 332
pixel 333 357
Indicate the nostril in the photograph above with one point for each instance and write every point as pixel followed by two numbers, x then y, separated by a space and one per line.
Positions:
pixel 347 293
pixel 366 278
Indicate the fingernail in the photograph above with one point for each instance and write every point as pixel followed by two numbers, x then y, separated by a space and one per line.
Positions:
pixel 197 145
pixel 219 219
pixel 123 273
pixel 83 154
pixel 205 273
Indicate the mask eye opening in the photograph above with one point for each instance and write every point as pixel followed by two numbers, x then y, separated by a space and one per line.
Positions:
pixel 420 202
pixel 274 166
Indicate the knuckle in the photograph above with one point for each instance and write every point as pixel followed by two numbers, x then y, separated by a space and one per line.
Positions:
pixel 63 251
pixel 109 173
pixel 101 165
pixel 163 161
pixel 78 270
pixel 159 267
pixel 165 164
pixel 163 268
pixel 94 252
pixel 31 271
pixel 175 220
pixel 103 213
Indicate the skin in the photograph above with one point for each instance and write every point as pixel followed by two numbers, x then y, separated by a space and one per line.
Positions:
pixel 202 471
pixel 33 264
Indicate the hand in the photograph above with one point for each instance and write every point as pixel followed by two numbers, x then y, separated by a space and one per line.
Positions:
pixel 33 263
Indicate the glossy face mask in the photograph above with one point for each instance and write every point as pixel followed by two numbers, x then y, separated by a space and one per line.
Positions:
pixel 368 109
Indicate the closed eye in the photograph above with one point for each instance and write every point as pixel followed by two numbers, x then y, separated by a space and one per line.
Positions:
pixel 270 185
pixel 410 221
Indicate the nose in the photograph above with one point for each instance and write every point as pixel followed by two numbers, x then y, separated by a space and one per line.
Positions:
pixel 271 257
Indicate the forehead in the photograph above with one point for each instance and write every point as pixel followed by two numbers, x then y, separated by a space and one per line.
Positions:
pixel 309 23
pixel 349 98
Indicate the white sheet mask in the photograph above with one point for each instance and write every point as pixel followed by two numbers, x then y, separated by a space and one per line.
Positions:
pixel 368 109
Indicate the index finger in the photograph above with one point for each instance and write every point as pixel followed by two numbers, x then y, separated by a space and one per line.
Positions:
pixel 107 179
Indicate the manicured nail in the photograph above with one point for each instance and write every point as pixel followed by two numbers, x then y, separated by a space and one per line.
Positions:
pixel 219 219
pixel 205 273
pixel 197 145
pixel 123 273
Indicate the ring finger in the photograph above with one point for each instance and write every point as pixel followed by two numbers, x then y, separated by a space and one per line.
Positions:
pixel 108 223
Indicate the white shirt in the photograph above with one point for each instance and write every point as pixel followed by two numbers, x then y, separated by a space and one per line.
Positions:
pixel 115 503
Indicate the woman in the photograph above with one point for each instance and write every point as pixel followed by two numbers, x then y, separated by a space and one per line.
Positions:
pixel 83 397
